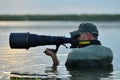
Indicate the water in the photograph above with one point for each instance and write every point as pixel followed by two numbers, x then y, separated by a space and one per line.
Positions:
pixel 34 61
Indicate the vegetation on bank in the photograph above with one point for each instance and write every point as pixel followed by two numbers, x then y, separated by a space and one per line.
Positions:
pixel 84 17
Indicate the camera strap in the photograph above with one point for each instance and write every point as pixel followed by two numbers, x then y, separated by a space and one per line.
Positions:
pixel 85 43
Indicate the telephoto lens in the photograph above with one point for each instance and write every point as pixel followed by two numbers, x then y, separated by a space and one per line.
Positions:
pixel 27 40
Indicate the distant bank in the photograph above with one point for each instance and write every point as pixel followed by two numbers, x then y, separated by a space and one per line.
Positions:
pixel 83 17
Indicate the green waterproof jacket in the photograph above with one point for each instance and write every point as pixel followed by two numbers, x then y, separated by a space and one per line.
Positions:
pixel 90 56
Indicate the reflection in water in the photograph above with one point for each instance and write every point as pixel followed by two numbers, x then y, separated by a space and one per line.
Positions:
pixel 51 73
pixel 76 74
pixel 11 58
pixel 91 74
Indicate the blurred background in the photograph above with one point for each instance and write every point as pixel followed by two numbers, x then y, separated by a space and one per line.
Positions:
pixel 56 18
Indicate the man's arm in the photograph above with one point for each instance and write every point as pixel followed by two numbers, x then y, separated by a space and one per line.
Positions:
pixel 53 55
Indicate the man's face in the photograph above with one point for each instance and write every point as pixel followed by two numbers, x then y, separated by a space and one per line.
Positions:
pixel 85 36
pixel 82 36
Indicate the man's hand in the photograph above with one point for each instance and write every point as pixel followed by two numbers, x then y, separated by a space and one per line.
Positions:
pixel 50 53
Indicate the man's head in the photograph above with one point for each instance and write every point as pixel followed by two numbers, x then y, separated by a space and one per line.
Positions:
pixel 87 31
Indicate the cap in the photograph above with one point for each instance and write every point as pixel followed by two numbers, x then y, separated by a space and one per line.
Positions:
pixel 85 27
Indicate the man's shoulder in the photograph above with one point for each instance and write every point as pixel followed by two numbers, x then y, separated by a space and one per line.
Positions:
pixel 90 55
pixel 92 48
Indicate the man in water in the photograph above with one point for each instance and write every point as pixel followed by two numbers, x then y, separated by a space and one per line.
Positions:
pixel 90 53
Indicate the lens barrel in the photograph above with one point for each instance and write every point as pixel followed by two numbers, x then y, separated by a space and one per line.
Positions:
pixel 27 40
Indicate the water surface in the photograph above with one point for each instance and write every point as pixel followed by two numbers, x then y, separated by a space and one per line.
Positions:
pixel 34 61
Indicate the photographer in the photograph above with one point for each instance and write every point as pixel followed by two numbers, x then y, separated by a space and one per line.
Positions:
pixel 90 55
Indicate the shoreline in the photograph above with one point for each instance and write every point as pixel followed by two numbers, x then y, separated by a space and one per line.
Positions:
pixel 83 17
